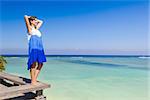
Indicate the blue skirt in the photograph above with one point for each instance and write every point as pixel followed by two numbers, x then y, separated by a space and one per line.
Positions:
pixel 36 51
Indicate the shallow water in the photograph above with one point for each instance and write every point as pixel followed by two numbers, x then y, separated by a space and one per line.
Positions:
pixel 90 78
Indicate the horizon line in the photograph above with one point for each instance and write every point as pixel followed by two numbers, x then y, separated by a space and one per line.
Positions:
pixel 77 55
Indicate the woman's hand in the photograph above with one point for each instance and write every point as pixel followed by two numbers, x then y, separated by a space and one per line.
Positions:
pixel 39 21
pixel 26 16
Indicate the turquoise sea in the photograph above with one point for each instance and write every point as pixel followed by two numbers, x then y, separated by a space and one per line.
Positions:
pixel 90 78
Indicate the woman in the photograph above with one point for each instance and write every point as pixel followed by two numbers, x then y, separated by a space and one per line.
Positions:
pixel 36 50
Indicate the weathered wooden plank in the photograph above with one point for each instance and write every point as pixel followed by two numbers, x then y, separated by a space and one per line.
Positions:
pixel 26 96
pixel 2 86
pixel 11 96
pixel 20 86
pixel 15 90
pixel 13 78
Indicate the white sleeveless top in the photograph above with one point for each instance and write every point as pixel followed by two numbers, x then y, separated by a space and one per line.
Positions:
pixel 34 32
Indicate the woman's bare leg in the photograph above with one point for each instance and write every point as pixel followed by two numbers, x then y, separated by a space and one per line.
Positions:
pixel 38 69
pixel 32 73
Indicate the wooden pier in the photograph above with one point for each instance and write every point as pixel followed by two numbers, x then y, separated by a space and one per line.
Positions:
pixel 13 87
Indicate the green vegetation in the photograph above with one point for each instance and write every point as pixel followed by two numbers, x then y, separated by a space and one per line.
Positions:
pixel 2 63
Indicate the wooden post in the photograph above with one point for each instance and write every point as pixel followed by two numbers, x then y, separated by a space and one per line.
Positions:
pixel 39 95
pixel 39 92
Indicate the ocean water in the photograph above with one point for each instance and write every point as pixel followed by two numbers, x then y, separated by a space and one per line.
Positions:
pixel 90 78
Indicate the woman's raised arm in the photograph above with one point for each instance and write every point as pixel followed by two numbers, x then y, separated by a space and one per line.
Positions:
pixel 40 22
pixel 27 23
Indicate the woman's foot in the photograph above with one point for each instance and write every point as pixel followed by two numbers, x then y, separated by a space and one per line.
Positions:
pixel 34 82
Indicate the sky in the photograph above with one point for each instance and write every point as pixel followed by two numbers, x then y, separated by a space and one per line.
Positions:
pixel 109 27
